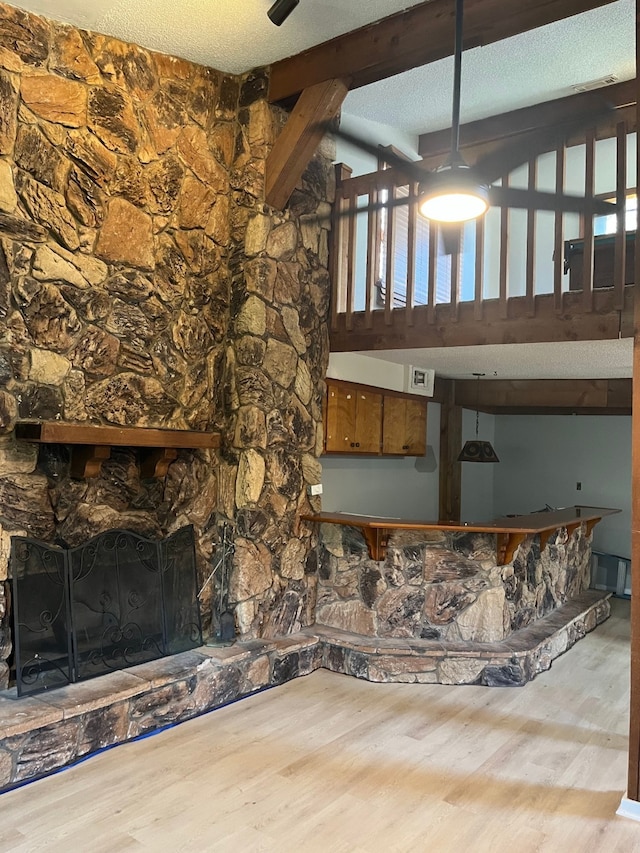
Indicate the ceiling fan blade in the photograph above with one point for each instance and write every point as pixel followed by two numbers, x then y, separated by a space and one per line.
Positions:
pixel 389 204
pixel 536 200
pixel 522 149
pixel 409 167
pixel 451 234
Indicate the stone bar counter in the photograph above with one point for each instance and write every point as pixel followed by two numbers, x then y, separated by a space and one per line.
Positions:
pixel 483 590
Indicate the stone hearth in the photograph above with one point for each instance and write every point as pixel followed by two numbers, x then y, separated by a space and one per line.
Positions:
pixel 43 734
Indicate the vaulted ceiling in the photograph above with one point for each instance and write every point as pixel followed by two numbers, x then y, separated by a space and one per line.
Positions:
pixel 541 64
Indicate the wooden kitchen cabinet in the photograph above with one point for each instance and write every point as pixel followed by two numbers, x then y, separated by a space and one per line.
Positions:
pixel 404 426
pixel 353 419
pixel 362 419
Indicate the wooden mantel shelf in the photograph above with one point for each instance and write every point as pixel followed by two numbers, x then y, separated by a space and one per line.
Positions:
pixel 92 443
pixel 510 531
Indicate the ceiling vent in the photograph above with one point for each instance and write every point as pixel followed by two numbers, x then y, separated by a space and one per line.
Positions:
pixel 595 84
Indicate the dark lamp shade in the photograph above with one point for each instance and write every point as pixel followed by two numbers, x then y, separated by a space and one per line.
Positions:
pixel 478 451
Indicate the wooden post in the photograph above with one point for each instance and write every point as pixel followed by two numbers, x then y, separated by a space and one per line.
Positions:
pixel 633 781
pixel 450 444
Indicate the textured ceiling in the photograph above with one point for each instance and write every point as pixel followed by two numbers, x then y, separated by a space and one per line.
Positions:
pixel 570 360
pixel 536 66
pixel 230 35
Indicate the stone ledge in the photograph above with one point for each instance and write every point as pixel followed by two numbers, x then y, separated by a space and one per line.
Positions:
pixel 510 662
pixel 45 733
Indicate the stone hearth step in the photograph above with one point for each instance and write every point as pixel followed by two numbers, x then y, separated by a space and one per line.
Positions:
pixel 44 733
pixel 510 662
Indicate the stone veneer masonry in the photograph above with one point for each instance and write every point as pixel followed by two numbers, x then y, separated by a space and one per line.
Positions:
pixel 143 282
pixel 43 733
pixel 446 586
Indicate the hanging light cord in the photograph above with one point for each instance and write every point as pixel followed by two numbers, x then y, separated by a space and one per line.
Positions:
pixel 477 375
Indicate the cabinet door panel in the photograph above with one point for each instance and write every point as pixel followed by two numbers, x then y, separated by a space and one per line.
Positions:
pixel 368 422
pixel 415 427
pixel 393 426
pixel 404 429
pixel 341 418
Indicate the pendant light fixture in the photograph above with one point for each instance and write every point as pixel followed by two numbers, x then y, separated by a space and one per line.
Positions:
pixel 281 10
pixel 476 450
pixel 455 194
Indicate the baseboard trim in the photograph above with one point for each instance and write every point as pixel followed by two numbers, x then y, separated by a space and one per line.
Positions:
pixel 629 808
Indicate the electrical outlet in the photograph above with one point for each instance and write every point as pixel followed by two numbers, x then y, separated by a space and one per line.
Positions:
pixel 578 487
pixel 315 489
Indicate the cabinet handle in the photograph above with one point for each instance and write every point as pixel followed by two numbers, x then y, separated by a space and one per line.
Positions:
pixel 357 444
pixel 352 444
pixel 405 446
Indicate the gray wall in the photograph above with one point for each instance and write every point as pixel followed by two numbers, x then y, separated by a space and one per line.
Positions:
pixel 478 480
pixel 543 457
pixel 402 487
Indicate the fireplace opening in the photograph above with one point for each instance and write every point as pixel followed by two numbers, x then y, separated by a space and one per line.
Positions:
pixel 114 602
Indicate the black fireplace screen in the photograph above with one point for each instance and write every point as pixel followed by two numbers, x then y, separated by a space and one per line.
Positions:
pixel 117 601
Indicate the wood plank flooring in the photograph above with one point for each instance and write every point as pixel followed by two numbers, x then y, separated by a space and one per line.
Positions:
pixel 331 764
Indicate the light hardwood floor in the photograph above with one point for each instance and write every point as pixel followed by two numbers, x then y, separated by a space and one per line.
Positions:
pixel 329 763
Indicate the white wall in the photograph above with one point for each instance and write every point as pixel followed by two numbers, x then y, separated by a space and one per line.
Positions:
pixel 404 487
pixel 375 133
pixel 543 457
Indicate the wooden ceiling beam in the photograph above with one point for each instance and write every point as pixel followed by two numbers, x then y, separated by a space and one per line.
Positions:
pixel 298 140
pixel 415 37
pixel 525 396
pixel 505 126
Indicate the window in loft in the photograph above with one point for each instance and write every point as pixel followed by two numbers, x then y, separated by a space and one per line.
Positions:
pixel 607 224
pixel 421 258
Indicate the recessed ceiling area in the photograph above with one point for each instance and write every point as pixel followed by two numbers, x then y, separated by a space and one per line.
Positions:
pixel 566 360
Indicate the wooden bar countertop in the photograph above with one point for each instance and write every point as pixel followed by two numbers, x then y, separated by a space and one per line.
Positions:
pixel 510 530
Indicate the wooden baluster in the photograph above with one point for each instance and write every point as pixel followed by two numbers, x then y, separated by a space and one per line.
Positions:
pixel 454 296
pixel 504 257
pixel 411 253
pixel 372 262
pixel 351 258
pixel 620 252
pixel 433 269
pixel 531 245
pixel 390 271
pixel 558 241
pixel 478 303
pixel 587 256
pixel 338 246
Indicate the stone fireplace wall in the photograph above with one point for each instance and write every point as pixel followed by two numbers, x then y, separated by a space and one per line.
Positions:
pixel 143 282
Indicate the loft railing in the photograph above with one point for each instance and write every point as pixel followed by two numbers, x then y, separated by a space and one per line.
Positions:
pixel 389 263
